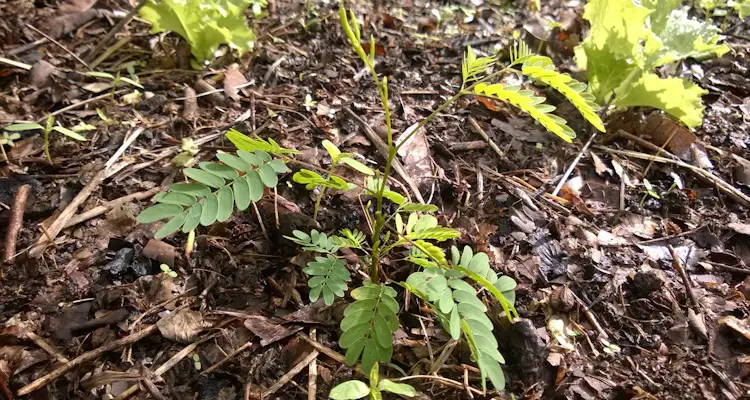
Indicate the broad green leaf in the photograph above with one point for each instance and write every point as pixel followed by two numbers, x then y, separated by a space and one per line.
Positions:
pixel 398 388
pixel 158 212
pixel 677 96
pixel 181 199
pixel 349 390
pixel 352 335
pixel 416 207
pixel 226 204
pixel 278 166
pixel 328 295
pixel 172 226
pixel 454 328
pixel 195 189
pixel 255 185
pixel 204 177
pixel 358 166
pixel 210 210
pixel 193 218
pixel 205 25
pixel 241 193
pixel 357 306
pixel 491 369
pixel 69 133
pixel 220 170
pixel 354 350
pixel 250 158
pixel 23 127
pixel 234 162
pixel 370 355
pixel 332 150
pixel 268 175
pixel 382 331
pixel 356 318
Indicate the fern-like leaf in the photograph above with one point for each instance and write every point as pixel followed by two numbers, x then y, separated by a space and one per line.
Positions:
pixel 416 207
pixel 461 312
pixel 472 67
pixel 543 69
pixel 527 102
pixel 368 325
pixel 316 241
pixel 519 53
pixel 312 179
pixel 246 143
pixel 351 239
pixel 216 191
pixel 477 268
pixel 329 277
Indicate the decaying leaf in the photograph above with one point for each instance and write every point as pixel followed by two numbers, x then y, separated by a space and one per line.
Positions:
pixel 233 78
pixel 182 326
pixel 415 154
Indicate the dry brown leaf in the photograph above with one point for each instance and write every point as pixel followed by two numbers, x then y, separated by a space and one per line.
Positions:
pixel 60 26
pixel 182 326
pixel 233 78
pixel 660 128
pixel 267 330
pixel 415 154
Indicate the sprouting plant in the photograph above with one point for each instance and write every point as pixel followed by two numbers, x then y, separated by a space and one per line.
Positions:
pixel 204 24
pixel 8 139
pixel 649 191
pixel 168 271
pixel 116 79
pixel 47 128
pixel 197 361
pixel 313 180
pixel 355 389
pixel 257 6
pixel 215 189
pixel 187 155
pixel 628 40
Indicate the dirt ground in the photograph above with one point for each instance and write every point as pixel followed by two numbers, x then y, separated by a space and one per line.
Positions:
pixel 607 310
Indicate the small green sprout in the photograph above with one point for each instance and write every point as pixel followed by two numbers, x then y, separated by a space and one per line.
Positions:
pixel 168 271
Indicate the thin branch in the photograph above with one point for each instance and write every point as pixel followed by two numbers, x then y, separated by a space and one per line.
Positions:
pixel 16 223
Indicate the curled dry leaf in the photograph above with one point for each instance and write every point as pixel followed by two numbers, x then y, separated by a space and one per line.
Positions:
pixel 182 326
pixel 415 154
pixel 233 78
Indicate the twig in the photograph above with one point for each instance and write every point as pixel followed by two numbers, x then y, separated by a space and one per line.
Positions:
pixel 27 46
pixel 312 373
pixel 112 32
pixel 383 148
pixel 161 370
pixel 51 232
pixel 58 44
pixel 99 210
pixel 478 129
pixel 291 374
pixel 110 50
pixel 80 104
pixel 46 347
pixel 231 355
pixel 124 146
pixel 86 357
pixel 677 264
pixel 722 185
pixel 573 164
pixel 16 223
pixel 591 318
pixel 441 380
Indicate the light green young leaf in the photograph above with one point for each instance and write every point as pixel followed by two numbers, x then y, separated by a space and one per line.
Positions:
pixel 98 74
pixel 680 98
pixel 398 388
pixel 332 150
pixel 23 127
pixel 204 25
pixel 349 390
pixel 357 165
pixel 67 132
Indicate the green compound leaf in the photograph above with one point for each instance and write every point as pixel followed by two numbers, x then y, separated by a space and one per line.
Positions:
pixel 210 210
pixel 177 198
pixel 158 212
pixel 193 218
pixel 172 226
pixel 248 144
pixel 205 25
pixel 226 204
pixel 194 189
pixel 472 68
pixel 316 241
pixel 530 104
pixel 329 275
pixel 368 330
pixel 543 69
pixel 204 177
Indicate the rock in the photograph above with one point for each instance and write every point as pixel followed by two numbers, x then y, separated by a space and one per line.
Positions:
pixel 120 263
pixel 151 104
pixel 528 354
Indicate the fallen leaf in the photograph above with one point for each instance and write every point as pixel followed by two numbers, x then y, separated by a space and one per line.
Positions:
pixel 600 166
pixel 40 75
pixel 182 326
pixel 661 128
pixel 233 78
pixel 62 25
pixel 415 154
pixel 267 330
pixel 741 326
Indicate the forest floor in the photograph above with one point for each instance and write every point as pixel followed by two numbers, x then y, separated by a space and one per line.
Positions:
pixel 605 311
